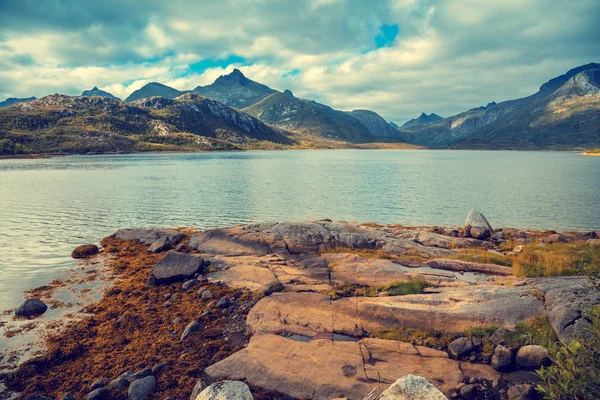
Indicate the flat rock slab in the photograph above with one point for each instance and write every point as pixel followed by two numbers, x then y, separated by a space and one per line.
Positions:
pixel 176 266
pixel 436 240
pixel 469 266
pixel 247 276
pixel 325 369
pixel 235 241
pixel 148 235
pixel 452 309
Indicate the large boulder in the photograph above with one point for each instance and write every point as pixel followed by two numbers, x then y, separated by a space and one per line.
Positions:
pixel 31 307
pixel 226 390
pixel 532 356
pixel 477 226
pixel 175 266
pixel 411 387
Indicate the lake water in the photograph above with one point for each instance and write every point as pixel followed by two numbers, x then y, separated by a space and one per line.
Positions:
pixel 49 206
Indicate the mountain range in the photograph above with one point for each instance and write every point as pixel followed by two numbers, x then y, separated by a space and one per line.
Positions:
pixel 236 112
pixel 563 114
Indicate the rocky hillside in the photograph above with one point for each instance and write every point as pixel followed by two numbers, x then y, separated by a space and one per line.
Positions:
pixel 97 92
pixel 13 100
pixel 422 119
pixel 374 123
pixel 563 114
pixel 309 117
pixel 69 124
pixel 154 89
pixel 235 90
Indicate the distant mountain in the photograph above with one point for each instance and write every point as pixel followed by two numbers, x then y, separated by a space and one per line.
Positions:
pixel 374 123
pixel 309 117
pixel 73 124
pixel 153 89
pixel 99 93
pixel 422 119
pixel 235 90
pixel 394 125
pixel 563 114
pixel 14 100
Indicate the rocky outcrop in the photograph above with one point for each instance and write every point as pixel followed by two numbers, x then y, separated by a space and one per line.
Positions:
pixel 477 226
pixel 353 369
pixel 148 235
pixel 469 266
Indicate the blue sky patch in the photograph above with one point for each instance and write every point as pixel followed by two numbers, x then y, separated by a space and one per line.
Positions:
pixel 387 35
pixel 202 65
pixel 293 72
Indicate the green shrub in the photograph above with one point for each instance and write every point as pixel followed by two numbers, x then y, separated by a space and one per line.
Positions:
pixel 575 370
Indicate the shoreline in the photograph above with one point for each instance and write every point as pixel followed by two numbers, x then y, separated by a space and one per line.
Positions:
pixel 244 279
pixel 357 147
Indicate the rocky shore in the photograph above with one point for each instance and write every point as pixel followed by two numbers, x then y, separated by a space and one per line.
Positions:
pixel 313 310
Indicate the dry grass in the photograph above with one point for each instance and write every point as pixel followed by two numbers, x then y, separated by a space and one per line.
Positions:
pixel 557 259
pixel 409 255
pixel 432 339
pixel 483 256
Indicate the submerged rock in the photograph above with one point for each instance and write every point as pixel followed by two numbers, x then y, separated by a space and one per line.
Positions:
pixel 176 266
pixel 411 387
pixel 226 390
pixel 85 251
pixel 31 307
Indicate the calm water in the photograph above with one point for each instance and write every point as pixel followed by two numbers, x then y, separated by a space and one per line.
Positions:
pixel 49 206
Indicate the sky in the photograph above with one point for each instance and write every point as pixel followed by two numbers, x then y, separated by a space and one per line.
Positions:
pixel 396 57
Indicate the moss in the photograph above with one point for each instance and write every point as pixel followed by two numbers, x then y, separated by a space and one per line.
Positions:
pixel 395 289
pixel 537 330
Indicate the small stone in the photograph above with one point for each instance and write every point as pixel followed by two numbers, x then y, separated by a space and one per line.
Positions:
pixel 532 356
pixel 273 287
pixel 197 389
pixel 98 394
pixel 468 391
pixel 498 336
pixel 519 392
pixel 85 251
pixel 518 249
pixel 31 307
pixel 151 281
pixel 158 368
pixel 160 245
pixel 223 303
pixel 502 358
pixel 473 380
pixel 476 341
pixel 498 383
pixel 100 383
pixel 167 304
pixel 141 374
pixel 460 346
pixel 206 294
pixel 192 327
pixel 141 388
pixel 67 396
pixel 190 284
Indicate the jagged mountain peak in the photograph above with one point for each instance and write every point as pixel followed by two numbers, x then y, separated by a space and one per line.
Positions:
pixel 98 93
pixel 555 83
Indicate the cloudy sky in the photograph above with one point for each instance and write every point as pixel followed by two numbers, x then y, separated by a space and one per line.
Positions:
pixel 396 57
